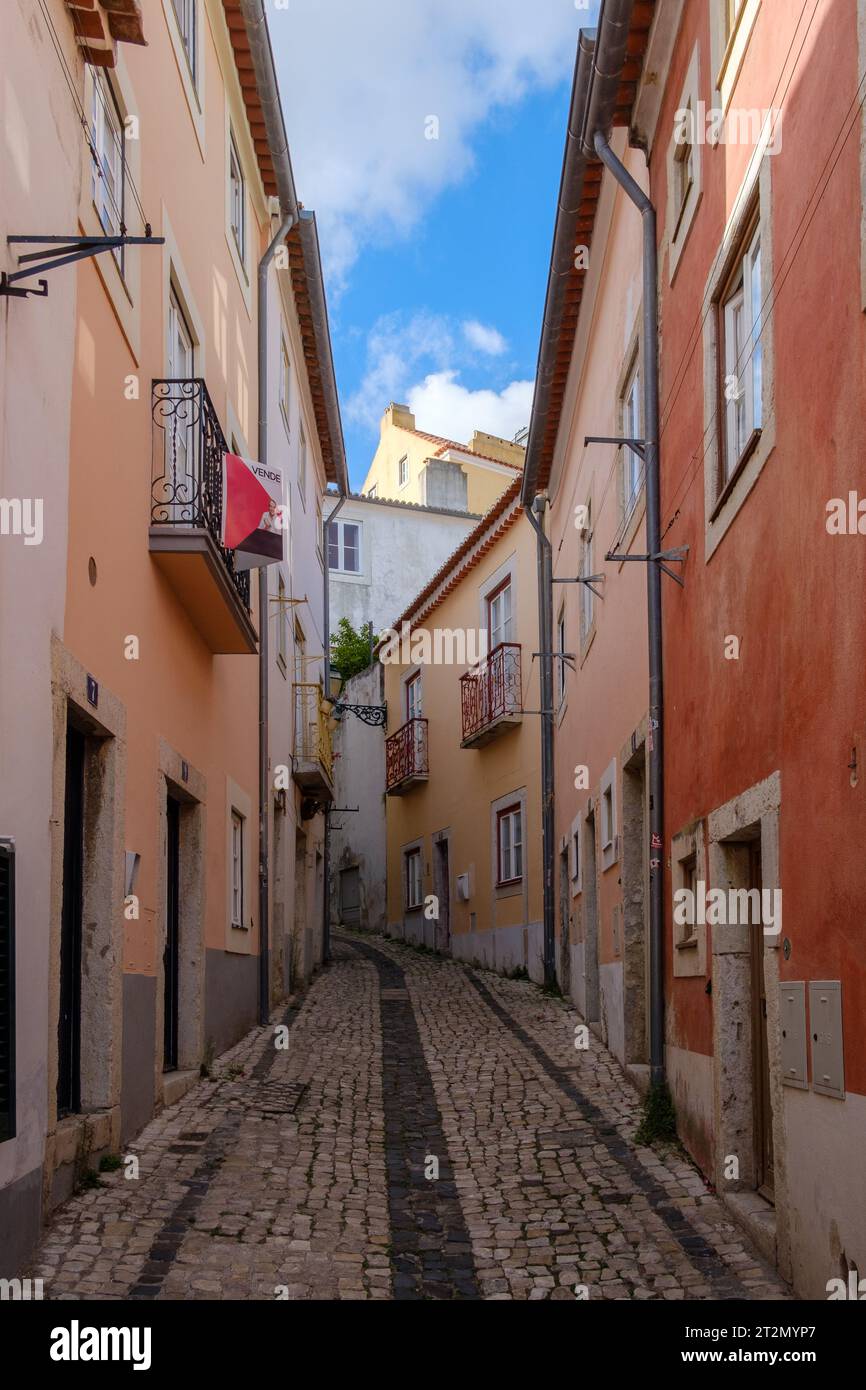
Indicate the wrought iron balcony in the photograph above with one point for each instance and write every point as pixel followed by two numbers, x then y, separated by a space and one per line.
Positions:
pixel 406 757
pixel 186 515
pixel 313 766
pixel 491 699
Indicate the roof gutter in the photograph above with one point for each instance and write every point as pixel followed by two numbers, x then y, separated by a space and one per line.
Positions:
pixel 565 237
pixel 256 25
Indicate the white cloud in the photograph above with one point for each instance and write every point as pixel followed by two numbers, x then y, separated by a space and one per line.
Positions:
pixel 359 82
pixel 484 338
pixel 441 405
pixel 417 360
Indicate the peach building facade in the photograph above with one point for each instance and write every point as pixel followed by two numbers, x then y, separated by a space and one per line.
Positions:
pixel 463 796
pixel 134 838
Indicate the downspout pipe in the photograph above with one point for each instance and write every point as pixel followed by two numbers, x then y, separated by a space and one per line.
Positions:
pixel 544 562
pixel 256 25
pixel 264 638
pixel 654 596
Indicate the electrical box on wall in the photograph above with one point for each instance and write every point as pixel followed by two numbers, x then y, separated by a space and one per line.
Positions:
pixel 463 887
pixel 792 1025
pixel 825 1034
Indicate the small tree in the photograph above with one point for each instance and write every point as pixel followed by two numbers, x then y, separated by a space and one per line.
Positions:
pixel 351 651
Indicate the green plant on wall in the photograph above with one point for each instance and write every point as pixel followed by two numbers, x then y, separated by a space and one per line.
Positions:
pixel 351 650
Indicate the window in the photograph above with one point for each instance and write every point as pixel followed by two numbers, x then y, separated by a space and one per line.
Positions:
pixel 414 887
pixel 185 11
pixel 684 167
pixel 509 843
pixel 285 383
pixel 731 9
pixel 560 664
pixel 109 167
pixel 607 806
pixel 632 429
pixel 302 466
pixel 742 356
pixel 403 471
pixel 7 991
pixel 575 855
pixel 344 546
pixel 607 821
pixel 237 869
pixel 413 697
pixel 237 200
pixel 587 598
pixel 282 623
pixel 499 619
pixel 689 876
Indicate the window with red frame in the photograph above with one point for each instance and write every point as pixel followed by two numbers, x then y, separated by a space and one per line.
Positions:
pixel 509 846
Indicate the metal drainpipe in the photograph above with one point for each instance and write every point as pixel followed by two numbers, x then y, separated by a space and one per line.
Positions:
pixel 544 556
pixel 264 780
pixel 326 624
pixel 654 595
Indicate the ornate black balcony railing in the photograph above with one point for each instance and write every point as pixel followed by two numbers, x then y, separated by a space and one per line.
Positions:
pixel 187 470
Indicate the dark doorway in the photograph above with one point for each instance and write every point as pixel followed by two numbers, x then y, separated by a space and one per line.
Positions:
pixel 442 889
pixel 171 955
pixel 69 1025
pixel 762 1109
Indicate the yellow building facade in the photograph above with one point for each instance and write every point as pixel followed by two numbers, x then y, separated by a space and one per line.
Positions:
pixel 463 759
pixel 413 466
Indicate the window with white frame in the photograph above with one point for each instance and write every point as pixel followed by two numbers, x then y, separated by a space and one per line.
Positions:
pixel 237 200
pixel 575 855
pixel 237 881
pixel 403 471
pixel 187 22
pixel 560 662
pixel 285 383
pixel 414 697
pixel 499 615
pixel 302 465
pixel 587 598
pixel 509 845
pixel 344 546
pixel 684 165
pixel 607 807
pixel 731 13
pixel 109 160
pixel 282 623
pixel 740 323
pixel 413 879
pixel 632 465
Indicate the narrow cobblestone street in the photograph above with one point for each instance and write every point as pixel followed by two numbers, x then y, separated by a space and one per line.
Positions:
pixel 300 1172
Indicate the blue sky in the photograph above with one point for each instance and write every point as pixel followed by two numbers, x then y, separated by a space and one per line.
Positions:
pixel 435 251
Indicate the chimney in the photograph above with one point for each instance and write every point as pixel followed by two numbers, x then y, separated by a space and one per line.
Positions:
pixel 397 415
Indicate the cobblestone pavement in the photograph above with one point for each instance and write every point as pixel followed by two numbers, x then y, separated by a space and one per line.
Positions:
pixel 309 1172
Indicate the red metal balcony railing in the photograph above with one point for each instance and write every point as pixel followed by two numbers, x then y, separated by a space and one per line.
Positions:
pixel 491 690
pixel 406 756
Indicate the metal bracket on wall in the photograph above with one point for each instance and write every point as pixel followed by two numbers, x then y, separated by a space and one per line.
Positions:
pixel 590 580
pixel 374 715
pixel 677 556
pixel 66 249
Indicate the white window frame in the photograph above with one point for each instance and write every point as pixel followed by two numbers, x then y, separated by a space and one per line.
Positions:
pixel 560 662
pixel 500 614
pixel 285 384
pixel 237 870
pixel 576 854
pixel 587 597
pixel 108 134
pixel 302 465
pixel 607 801
pixel 186 14
pixel 631 407
pixel 282 624
pixel 741 324
pixel 509 845
pixel 237 200
pixel 683 201
pixel 413 695
pixel 403 471
pixel 340 546
pixel 413 878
